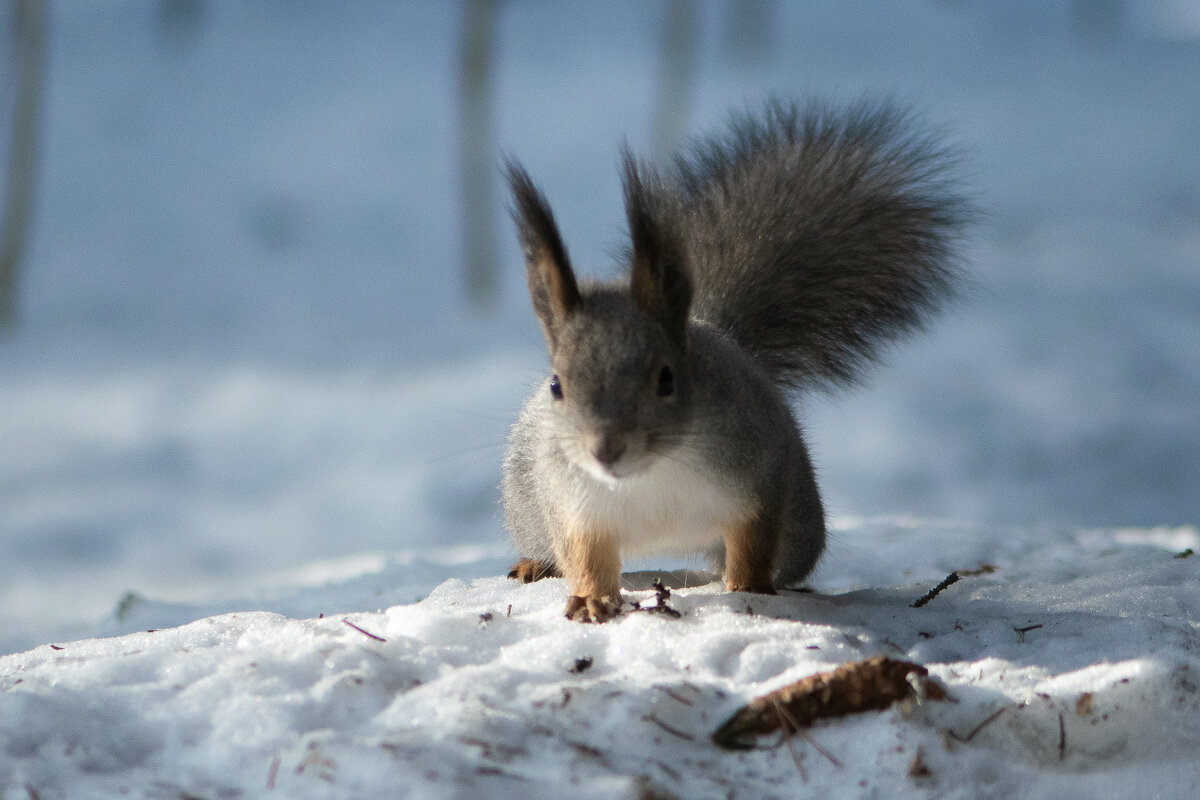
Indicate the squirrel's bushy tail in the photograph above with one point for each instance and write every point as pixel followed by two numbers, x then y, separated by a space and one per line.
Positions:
pixel 814 236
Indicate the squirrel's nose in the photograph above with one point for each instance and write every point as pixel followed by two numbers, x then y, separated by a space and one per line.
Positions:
pixel 607 448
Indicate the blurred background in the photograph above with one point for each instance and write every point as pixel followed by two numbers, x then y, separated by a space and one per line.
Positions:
pixel 264 318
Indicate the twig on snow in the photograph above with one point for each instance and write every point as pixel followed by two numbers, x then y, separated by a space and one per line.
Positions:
pixel 977 728
pixel 671 730
pixel 787 740
pixel 952 578
pixel 661 595
pixel 1022 631
pixel 368 634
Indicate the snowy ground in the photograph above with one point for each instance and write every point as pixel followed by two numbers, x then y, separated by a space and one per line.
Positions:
pixel 246 382
pixel 1086 644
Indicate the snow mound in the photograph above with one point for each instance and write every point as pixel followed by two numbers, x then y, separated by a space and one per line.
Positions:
pixel 1073 671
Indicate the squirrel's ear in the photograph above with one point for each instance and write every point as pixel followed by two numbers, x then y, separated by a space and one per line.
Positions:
pixel 658 279
pixel 551 282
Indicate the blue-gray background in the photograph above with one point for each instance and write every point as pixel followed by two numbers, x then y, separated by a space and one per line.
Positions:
pixel 246 341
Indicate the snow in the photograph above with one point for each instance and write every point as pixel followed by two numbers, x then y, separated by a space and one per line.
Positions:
pixel 483 689
pixel 246 391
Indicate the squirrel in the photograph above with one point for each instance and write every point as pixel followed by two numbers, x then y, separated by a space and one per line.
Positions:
pixel 778 256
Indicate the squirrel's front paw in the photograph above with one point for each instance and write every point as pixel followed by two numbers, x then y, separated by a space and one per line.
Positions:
pixel 592 609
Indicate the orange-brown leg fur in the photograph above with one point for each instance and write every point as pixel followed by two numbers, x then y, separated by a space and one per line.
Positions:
pixel 750 556
pixel 528 570
pixel 592 564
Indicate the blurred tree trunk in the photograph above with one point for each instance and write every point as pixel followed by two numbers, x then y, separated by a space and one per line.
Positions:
pixel 680 34
pixel 29 47
pixel 475 150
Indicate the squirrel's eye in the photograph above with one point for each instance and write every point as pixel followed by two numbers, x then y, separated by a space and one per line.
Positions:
pixel 555 388
pixel 666 382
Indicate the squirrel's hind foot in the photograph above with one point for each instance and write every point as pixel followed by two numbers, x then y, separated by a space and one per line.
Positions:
pixel 751 588
pixel 528 570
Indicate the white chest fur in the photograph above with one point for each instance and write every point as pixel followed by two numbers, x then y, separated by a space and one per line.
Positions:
pixel 669 507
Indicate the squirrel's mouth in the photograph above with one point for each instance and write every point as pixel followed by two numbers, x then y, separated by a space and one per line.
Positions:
pixel 610 455
pixel 615 465
pixel 611 474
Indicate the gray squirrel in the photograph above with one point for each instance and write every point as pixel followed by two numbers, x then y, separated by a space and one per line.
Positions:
pixel 781 255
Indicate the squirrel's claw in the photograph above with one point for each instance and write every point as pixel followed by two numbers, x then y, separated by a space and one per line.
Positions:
pixel 592 609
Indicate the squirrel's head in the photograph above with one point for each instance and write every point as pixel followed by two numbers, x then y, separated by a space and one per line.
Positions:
pixel 619 393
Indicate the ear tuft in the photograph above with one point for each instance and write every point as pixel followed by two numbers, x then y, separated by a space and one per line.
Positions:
pixel 658 279
pixel 552 284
